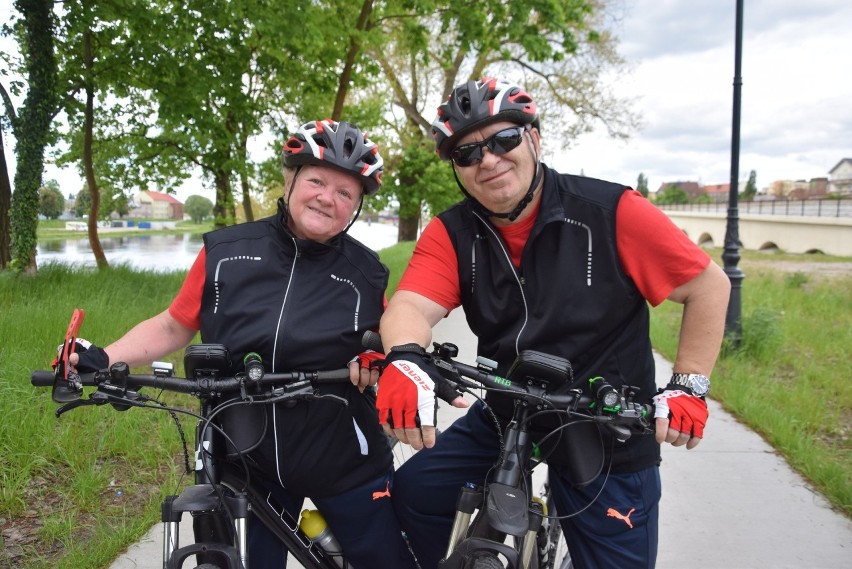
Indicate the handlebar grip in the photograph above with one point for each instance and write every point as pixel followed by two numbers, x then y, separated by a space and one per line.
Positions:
pixel 372 341
pixel 42 378
pixel 333 376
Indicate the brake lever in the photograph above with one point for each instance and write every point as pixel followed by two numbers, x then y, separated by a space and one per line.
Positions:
pixel 336 398
pixel 92 400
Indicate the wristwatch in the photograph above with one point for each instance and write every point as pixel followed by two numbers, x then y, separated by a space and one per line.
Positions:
pixel 693 383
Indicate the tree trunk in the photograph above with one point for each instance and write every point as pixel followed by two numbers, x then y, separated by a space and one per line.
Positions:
pixel 244 184
pixel 408 228
pixel 349 64
pixel 94 211
pixel 223 209
pixel 32 130
pixel 244 181
pixel 5 203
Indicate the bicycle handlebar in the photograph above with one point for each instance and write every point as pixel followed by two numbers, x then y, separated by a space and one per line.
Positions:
pixel 207 385
pixel 628 413
pixel 116 385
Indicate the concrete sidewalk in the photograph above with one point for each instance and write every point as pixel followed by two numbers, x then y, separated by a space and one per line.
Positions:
pixel 730 503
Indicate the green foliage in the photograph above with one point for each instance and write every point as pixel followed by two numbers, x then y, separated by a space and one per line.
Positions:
pixel 198 208
pixel 419 178
pixel 789 378
pixel 761 336
pixel 217 74
pixel 554 48
pixel 642 184
pixel 32 126
pixel 751 186
pixel 83 203
pixel 671 195
pixel 51 202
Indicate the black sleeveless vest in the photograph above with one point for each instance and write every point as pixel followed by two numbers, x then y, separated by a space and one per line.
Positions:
pixel 570 297
pixel 304 306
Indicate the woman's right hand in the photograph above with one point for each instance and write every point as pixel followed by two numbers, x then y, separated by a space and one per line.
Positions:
pixel 87 357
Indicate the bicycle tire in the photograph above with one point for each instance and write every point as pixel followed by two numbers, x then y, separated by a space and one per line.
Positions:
pixel 552 547
pixel 401 451
pixel 559 557
pixel 486 560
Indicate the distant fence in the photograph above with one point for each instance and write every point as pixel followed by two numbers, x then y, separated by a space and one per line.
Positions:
pixel 797 208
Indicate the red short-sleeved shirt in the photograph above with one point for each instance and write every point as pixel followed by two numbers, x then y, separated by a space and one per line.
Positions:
pixel 655 254
pixel 186 307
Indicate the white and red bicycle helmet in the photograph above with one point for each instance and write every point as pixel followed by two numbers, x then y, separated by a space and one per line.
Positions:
pixel 475 104
pixel 340 145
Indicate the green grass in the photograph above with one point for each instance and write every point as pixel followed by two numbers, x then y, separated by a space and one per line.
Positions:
pixel 396 258
pixel 69 471
pixel 95 477
pixel 789 379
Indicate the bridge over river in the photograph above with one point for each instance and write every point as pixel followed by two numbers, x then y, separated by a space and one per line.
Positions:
pixel 810 226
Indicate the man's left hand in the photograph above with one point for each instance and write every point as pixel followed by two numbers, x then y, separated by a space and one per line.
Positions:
pixel 680 418
pixel 364 369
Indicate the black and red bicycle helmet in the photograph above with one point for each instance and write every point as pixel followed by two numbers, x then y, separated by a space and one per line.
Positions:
pixel 340 145
pixel 475 104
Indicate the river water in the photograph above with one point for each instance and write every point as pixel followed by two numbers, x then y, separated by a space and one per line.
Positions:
pixel 174 252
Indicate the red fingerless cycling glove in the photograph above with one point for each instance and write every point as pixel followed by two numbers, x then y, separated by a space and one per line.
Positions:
pixel 686 413
pixel 406 396
pixel 370 359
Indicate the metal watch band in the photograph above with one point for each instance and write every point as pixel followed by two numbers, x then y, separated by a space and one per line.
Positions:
pixel 687 382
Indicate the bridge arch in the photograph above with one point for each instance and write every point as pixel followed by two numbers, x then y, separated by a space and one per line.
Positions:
pixel 769 246
pixel 831 235
pixel 705 240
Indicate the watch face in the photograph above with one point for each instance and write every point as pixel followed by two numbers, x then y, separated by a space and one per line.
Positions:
pixel 700 384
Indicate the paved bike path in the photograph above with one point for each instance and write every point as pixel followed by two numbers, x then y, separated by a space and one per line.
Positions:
pixel 730 503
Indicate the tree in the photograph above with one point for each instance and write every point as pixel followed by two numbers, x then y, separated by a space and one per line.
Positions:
pixel 670 195
pixel 642 185
pixel 51 202
pixel 5 195
pixel 554 48
pixel 83 202
pixel 32 127
pixel 198 208
pixel 751 186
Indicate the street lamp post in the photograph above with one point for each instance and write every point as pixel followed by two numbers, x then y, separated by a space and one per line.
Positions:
pixel 731 254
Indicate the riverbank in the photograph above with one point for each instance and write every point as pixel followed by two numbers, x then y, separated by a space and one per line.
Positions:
pixel 163 250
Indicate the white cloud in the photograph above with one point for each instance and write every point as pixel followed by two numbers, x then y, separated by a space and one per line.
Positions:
pixel 796 120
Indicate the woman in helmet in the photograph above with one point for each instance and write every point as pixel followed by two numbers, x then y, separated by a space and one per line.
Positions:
pixel 296 289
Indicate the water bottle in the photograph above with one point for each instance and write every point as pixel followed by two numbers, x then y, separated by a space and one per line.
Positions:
pixel 314 526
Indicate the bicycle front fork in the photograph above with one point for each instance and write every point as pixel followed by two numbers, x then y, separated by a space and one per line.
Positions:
pixel 463 542
pixel 204 499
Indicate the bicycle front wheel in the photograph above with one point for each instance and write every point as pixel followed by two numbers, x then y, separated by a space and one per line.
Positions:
pixel 552 548
pixel 486 560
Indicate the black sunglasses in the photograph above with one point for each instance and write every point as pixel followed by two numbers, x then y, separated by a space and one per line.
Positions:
pixel 500 143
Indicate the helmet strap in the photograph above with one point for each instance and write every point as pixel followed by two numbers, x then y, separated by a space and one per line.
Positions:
pixel 357 213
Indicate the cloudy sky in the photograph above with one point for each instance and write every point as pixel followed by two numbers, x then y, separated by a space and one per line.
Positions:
pixel 796 94
pixel 796 117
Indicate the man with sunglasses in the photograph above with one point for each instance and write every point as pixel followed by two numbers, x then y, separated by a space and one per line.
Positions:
pixel 564 265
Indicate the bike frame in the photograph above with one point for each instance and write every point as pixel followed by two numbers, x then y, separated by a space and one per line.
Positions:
pixel 215 490
pixel 504 503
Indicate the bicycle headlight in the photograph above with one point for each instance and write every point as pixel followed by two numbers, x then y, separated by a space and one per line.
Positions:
pixel 254 366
